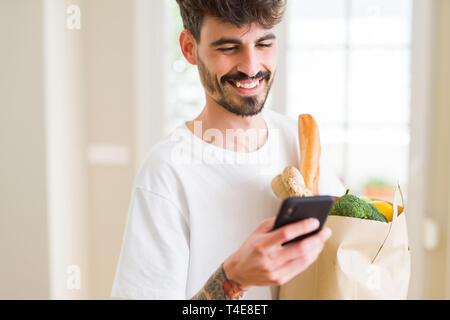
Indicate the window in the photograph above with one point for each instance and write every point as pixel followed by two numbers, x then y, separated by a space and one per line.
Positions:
pixel 349 66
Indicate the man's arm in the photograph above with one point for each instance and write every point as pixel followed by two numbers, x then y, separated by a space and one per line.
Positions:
pixel 263 261
pixel 219 287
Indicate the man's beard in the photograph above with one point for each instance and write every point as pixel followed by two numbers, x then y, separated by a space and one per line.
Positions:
pixel 220 92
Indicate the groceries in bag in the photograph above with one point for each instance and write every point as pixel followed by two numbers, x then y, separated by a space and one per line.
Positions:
pixel 367 256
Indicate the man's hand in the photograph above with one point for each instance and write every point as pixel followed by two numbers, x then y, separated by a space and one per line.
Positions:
pixel 263 261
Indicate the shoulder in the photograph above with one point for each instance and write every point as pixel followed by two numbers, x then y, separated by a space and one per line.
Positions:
pixel 157 171
pixel 285 127
pixel 280 120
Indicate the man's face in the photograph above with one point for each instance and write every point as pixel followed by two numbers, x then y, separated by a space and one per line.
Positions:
pixel 237 65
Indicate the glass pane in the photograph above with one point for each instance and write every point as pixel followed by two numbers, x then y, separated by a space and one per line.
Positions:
pixel 373 151
pixel 379 86
pixel 334 134
pixel 316 84
pixel 317 22
pixel 374 170
pixel 380 22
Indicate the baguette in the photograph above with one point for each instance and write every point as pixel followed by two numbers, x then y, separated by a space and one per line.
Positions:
pixel 310 151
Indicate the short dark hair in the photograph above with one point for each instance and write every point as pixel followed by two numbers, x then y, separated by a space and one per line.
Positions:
pixel 267 13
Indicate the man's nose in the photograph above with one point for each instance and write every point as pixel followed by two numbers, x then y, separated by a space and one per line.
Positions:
pixel 249 63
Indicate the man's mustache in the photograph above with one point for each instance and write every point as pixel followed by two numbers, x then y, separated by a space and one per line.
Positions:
pixel 240 76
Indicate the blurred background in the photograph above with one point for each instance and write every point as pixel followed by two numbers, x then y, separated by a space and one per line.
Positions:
pixel 88 86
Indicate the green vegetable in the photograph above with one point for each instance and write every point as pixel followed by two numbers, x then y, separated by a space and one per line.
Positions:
pixel 351 206
pixel 365 199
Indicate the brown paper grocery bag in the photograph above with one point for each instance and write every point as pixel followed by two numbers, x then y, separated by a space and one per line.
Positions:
pixel 363 259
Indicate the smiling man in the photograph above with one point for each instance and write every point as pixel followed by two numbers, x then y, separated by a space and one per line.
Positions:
pixel 200 218
pixel 242 67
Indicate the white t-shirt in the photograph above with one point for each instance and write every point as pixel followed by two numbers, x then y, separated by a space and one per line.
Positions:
pixel 193 204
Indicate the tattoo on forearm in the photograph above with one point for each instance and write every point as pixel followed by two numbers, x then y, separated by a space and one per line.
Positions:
pixel 219 287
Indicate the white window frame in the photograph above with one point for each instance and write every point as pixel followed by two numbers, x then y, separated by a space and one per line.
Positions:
pixel 150 31
pixel 424 15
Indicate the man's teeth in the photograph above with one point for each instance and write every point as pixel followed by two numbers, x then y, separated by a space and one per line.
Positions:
pixel 247 85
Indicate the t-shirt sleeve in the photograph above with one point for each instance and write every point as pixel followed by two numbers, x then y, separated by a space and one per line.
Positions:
pixel 153 262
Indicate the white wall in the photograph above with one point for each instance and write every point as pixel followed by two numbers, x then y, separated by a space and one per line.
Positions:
pixel 24 252
pixel 110 103
pixel 438 284
pixel 62 92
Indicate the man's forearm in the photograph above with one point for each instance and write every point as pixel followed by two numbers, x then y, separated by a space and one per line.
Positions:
pixel 219 287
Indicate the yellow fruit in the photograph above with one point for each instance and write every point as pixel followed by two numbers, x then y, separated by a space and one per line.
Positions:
pixel 387 209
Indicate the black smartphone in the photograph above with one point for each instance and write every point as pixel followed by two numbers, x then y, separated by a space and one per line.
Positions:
pixel 296 208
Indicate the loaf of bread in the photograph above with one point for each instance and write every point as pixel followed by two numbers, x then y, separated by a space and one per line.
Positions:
pixel 290 184
pixel 304 181
pixel 310 151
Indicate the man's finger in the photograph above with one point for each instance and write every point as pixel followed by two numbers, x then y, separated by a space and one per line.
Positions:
pixel 266 225
pixel 311 245
pixel 292 231
pixel 298 249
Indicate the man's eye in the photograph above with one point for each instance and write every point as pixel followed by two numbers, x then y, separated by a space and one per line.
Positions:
pixel 265 45
pixel 227 49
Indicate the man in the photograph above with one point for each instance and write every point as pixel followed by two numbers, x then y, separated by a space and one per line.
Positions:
pixel 201 213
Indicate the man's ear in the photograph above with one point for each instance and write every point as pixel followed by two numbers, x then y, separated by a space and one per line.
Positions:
pixel 188 46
